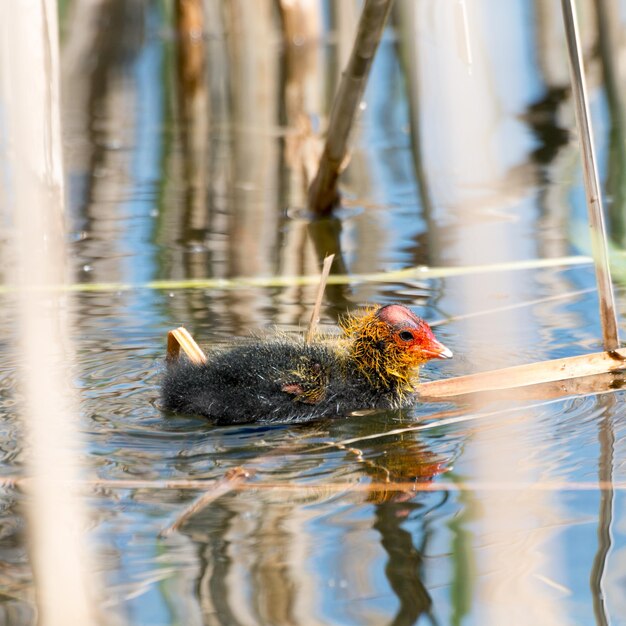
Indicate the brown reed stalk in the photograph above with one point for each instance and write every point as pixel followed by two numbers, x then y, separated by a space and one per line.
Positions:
pixel 519 376
pixel 180 338
pixel 608 317
pixel 323 194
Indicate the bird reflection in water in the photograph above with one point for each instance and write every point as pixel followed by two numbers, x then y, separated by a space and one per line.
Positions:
pixel 259 561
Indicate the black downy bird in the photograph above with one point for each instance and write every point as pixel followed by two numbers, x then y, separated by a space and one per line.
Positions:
pixel 282 380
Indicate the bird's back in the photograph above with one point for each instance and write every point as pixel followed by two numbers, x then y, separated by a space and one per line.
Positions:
pixel 275 381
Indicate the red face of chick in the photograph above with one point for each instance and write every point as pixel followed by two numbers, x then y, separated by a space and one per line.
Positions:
pixel 412 333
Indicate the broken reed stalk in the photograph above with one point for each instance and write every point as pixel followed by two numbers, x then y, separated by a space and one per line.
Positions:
pixel 181 338
pixel 418 272
pixel 315 315
pixel 323 195
pixel 599 246
pixel 519 376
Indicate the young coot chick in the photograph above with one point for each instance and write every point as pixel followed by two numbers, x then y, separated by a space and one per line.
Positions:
pixel 283 380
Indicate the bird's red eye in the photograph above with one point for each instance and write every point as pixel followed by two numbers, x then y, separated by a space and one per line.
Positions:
pixel 406 335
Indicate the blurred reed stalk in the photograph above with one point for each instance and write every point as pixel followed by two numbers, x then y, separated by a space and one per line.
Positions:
pixel 33 169
pixel 301 91
pixel 194 111
pixel 249 164
pixel 323 194
pixel 610 48
pixel 599 244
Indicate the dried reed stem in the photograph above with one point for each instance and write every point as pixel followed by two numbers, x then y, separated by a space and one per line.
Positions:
pixel 323 194
pixel 608 317
pixel 526 375
pixel 315 315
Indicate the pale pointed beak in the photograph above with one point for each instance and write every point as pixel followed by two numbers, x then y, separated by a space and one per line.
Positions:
pixel 445 353
pixel 436 350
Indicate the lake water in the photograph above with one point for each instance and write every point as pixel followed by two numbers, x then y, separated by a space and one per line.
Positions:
pixel 465 156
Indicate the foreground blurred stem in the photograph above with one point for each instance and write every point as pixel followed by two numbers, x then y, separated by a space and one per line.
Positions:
pixel 599 244
pixel 323 194
pixel 33 169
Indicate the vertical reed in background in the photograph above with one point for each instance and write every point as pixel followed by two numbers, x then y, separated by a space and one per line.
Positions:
pixel 610 51
pixel 252 182
pixel 194 112
pixel 32 164
pixel 301 24
pixel 323 194
pixel 304 98
pixel 460 104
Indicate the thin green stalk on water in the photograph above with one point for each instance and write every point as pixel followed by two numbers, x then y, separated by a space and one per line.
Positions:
pixel 411 273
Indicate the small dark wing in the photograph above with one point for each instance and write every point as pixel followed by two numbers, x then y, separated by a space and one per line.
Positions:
pixel 309 382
